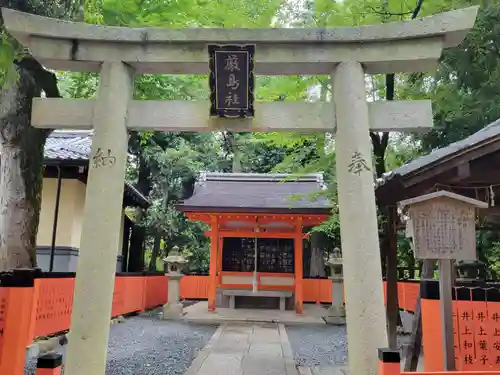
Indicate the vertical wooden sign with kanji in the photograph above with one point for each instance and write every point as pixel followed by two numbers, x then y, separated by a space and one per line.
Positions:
pixel 456 329
pixel 481 329
pixel 465 329
pixel 231 80
pixel 493 306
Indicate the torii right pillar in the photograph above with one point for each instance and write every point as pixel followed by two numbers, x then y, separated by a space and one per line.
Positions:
pixel 358 221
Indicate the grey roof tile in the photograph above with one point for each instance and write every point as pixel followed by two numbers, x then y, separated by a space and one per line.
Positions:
pixel 258 191
pixel 64 145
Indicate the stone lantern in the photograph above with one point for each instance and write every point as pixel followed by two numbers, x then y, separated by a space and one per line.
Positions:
pixel 470 271
pixel 336 312
pixel 174 264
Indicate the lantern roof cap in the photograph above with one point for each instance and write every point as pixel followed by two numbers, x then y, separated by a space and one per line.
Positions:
pixel 443 194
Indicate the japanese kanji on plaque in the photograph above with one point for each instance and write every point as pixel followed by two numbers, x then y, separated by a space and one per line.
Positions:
pixel 231 80
pixel 443 225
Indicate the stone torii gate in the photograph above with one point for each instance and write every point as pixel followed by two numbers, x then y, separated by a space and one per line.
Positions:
pixel 347 54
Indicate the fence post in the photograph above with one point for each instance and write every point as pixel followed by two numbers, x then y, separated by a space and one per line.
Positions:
pixel 144 291
pixel 388 362
pixel 431 325
pixel 318 294
pixel 49 364
pixel 18 288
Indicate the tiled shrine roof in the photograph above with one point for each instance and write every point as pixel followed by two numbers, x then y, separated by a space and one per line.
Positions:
pixel 68 145
pixel 254 192
pixel 75 146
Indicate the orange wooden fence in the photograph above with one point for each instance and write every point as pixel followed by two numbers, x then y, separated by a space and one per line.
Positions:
pixel 194 287
pixel 389 364
pixel 33 304
pixel 476 326
pixel 315 290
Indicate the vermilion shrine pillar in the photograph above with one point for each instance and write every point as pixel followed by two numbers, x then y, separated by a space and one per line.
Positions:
pixel 214 242
pixel 298 261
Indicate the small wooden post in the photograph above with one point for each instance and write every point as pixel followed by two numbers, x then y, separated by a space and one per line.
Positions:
pixel 392 305
pixel 49 364
pixel 212 286
pixel 219 261
pixel 413 353
pixel 445 292
pixel 388 362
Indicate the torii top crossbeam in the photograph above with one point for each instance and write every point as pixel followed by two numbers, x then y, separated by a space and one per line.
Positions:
pixel 409 46
pixel 406 46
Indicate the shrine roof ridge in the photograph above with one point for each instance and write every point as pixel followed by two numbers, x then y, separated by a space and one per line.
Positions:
pixel 452 25
pixel 263 177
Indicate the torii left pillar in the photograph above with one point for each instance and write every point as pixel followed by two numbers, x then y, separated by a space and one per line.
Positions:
pixel 95 276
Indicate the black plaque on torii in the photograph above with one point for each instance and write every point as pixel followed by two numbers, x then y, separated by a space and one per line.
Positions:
pixel 231 80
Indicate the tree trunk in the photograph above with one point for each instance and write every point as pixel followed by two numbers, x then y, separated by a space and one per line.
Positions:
pixel 21 172
pixel 317 267
pixel 392 306
pixel 233 143
pixel 154 253
pixel 411 266
pixel 138 237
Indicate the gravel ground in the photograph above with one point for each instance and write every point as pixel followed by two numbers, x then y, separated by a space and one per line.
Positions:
pixel 149 346
pixel 318 345
pixel 321 345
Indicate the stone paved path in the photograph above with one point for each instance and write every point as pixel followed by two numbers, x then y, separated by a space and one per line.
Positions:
pixel 246 349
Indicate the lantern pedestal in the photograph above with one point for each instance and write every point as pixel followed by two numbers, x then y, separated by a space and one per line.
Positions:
pixel 336 312
pixel 173 309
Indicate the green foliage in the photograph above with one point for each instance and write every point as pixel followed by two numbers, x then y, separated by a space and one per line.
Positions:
pixel 465 92
pixel 78 85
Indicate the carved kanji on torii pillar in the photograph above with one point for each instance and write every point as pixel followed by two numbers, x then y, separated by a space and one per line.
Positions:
pixel 347 54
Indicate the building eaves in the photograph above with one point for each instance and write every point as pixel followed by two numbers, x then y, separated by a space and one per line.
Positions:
pixel 76 145
pixel 489 133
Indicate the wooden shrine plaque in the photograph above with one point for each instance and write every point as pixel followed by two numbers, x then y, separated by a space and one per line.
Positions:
pixel 231 80
pixel 443 229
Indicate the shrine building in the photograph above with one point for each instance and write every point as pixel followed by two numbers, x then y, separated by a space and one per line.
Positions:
pixel 257 230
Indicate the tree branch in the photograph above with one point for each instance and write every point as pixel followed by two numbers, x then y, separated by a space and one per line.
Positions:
pixel 417 9
pixel 388 14
pixel 375 140
pixel 46 80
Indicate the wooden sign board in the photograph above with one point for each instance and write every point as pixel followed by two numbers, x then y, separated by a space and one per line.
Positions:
pixel 231 80
pixel 443 226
